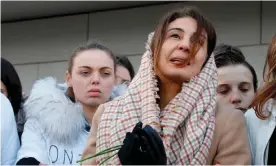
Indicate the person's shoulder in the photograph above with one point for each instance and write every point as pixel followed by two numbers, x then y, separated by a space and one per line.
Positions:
pixel 252 121
pixel 269 107
pixel 103 107
pixel 228 117
pixel 47 97
pixel 250 114
pixel 9 135
pixel 100 110
pixel 6 109
pixel 5 103
pixel 8 123
pixel 46 87
pixel 225 112
pixel 58 116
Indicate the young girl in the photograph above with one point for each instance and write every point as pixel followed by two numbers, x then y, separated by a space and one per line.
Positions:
pixel 58 120
pixel 174 92
pixel 237 79
pixel 261 120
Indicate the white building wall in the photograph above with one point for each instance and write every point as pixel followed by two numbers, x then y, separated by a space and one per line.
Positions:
pixel 40 48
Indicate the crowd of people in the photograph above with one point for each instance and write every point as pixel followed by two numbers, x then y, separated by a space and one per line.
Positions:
pixel 192 102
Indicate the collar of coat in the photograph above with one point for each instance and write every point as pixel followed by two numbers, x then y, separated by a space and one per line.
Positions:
pixel 59 118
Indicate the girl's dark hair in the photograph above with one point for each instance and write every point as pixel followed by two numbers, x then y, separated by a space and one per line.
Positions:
pixel 89 46
pixel 124 61
pixel 202 24
pixel 11 80
pixel 226 55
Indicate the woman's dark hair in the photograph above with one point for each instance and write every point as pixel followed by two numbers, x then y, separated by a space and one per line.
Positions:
pixel 11 80
pixel 226 55
pixel 124 61
pixel 90 46
pixel 203 24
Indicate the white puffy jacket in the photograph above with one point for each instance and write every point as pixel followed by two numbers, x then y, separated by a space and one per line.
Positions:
pixel 55 131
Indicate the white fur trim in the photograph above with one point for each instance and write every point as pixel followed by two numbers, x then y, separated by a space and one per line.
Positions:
pixel 61 119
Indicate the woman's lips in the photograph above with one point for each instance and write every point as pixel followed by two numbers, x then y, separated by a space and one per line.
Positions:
pixel 94 93
pixel 242 109
pixel 179 62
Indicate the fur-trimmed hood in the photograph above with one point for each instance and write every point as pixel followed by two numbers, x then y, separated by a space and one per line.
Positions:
pixel 60 118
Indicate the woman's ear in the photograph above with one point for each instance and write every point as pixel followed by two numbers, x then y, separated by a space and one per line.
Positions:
pixel 68 79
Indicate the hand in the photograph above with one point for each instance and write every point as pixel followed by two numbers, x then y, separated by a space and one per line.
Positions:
pixel 142 147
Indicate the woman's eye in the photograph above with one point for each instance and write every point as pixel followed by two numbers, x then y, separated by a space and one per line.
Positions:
pixel 85 73
pixel 175 36
pixel 106 74
pixel 244 90
pixel 223 92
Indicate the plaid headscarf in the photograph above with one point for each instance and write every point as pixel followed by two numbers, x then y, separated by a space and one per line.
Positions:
pixel 186 125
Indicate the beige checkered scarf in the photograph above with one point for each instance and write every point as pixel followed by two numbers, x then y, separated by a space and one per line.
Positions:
pixel 186 125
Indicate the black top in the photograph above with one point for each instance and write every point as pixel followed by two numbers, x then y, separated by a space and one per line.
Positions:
pixel 28 161
pixel 272 149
